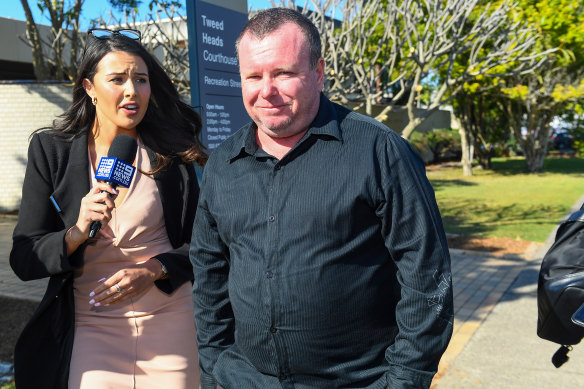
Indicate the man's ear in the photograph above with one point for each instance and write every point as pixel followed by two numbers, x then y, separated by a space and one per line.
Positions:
pixel 320 73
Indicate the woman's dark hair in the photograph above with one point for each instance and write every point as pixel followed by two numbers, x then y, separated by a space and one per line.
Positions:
pixel 170 127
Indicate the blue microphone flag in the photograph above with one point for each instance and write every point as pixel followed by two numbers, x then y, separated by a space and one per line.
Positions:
pixel 115 170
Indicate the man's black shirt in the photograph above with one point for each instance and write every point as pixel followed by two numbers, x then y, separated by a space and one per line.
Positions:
pixel 327 268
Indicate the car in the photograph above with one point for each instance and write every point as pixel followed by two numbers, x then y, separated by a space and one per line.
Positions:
pixel 562 140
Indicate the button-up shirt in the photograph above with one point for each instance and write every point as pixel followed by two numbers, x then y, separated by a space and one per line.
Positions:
pixel 328 268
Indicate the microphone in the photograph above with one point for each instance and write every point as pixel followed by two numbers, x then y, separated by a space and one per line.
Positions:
pixel 116 169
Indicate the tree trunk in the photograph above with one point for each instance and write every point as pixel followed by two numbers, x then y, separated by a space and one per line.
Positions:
pixel 535 159
pixel 534 143
pixel 466 144
pixel 409 128
pixel 484 159
pixel 538 137
pixel 72 70
pixel 536 151
pixel 368 107
pixel 41 69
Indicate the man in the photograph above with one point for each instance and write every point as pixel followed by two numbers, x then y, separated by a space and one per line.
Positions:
pixel 319 254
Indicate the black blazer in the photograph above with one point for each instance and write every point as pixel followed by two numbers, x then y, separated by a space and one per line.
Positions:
pixel 60 168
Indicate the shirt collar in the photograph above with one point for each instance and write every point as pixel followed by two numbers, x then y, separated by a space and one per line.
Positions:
pixel 247 144
pixel 325 123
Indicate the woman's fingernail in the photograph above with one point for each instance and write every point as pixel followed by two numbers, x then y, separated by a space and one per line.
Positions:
pixel 115 191
pixel 101 280
pixel 92 294
pixel 92 301
pixel 97 304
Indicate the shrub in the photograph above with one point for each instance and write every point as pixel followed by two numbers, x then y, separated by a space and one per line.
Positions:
pixel 437 146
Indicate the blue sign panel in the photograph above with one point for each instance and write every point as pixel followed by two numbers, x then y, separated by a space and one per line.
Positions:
pixel 215 81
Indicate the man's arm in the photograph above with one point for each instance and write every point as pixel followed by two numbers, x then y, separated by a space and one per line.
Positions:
pixel 213 313
pixel 414 235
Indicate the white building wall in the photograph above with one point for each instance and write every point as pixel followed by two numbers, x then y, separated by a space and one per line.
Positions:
pixel 13 47
pixel 24 107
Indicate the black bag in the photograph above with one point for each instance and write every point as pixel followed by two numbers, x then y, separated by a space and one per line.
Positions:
pixel 560 289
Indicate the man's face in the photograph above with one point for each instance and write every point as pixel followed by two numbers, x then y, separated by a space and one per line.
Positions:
pixel 280 90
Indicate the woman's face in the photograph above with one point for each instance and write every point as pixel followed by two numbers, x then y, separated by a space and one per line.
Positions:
pixel 121 88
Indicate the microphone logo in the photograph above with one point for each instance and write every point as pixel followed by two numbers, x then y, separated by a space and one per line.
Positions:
pixel 114 170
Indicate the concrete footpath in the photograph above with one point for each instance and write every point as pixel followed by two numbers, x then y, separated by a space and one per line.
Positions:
pixel 499 347
pixel 502 349
pixel 494 344
pixel 10 285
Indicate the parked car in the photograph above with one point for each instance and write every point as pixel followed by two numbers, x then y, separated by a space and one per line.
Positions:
pixel 562 140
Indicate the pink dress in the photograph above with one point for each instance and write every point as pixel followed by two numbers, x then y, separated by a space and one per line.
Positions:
pixel 146 342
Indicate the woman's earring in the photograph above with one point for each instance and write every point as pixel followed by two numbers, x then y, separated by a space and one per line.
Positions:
pixel 94 100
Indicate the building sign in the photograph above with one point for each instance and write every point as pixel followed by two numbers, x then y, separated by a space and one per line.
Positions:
pixel 214 68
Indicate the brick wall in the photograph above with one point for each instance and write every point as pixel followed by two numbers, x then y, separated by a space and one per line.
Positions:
pixel 24 107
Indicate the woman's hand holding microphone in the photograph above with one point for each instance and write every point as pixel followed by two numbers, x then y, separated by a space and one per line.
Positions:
pixel 97 205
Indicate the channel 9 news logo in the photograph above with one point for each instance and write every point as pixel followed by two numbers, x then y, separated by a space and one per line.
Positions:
pixel 115 170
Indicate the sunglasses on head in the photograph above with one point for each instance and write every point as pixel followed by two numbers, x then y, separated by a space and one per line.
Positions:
pixel 104 33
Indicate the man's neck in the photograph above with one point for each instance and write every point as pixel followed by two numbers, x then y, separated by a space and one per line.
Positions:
pixel 277 147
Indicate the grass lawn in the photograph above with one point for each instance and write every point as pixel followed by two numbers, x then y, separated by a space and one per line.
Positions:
pixel 506 202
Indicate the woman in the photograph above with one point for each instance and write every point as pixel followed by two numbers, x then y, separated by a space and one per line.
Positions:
pixel 117 312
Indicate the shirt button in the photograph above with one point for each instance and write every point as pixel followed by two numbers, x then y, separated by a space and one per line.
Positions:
pixel 269 274
pixel 272 218
pixel 282 377
pixel 273 330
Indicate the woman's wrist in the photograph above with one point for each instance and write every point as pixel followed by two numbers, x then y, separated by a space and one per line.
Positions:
pixel 74 238
pixel 163 273
pixel 160 270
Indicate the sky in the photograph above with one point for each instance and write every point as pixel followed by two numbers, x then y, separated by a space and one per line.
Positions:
pixel 91 9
